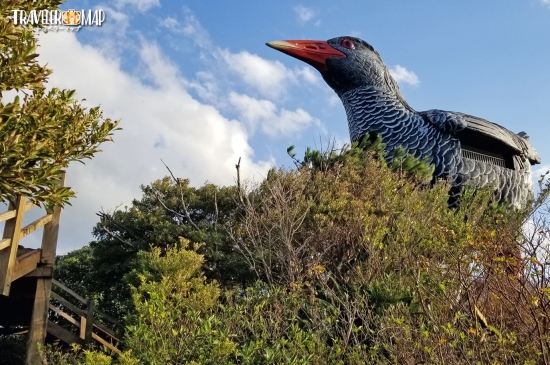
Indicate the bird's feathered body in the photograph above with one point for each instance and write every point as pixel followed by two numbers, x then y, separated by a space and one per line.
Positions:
pixel 464 149
pixel 372 111
pixel 434 135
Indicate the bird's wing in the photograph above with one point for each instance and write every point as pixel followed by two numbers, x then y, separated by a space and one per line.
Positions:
pixel 447 122
pixel 496 132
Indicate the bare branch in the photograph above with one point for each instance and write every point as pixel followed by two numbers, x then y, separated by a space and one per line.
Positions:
pixel 106 216
pixel 239 191
pixel 216 207
pixel 182 201
pixel 117 237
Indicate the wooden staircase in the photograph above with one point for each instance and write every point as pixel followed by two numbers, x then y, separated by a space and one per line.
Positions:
pixel 89 328
pixel 26 286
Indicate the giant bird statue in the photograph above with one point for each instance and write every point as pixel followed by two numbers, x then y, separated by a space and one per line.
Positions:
pixel 463 148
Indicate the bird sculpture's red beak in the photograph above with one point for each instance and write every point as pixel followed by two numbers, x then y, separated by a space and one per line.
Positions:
pixel 314 53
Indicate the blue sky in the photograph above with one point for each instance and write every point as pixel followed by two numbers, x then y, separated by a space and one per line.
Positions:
pixel 195 85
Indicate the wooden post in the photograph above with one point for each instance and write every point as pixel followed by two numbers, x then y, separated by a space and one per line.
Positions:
pixel 39 320
pixel 89 321
pixel 82 327
pixel 51 230
pixel 8 256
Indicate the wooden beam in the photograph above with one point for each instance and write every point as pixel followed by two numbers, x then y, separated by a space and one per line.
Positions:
pixel 25 264
pixel 64 315
pixel 62 286
pixel 31 227
pixel 106 344
pixel 39 320
pixel 68 304
pixel 89 321
pixel 8 256
pixel 7 215
pixel 106 330
pixel 51 231
pixel 41 272
pixel 82 327
pixel 13 331
pixel 62 334
pixel 95 336
pixel 96 324
pixel 5 243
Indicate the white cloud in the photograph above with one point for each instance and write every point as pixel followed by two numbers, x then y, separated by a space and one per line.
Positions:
pixel 538 172
pixel 541 170
pixel 141 5
pixel 170 23
pixel 191 28
pixel 111 38
pixel 265 115
pixel 334 100
pixel 308 74
pixel 118 21
pixel 545 2
pixel 207 87
pixel 536 241
pixel 159 121
pixel 404 76
pixel 270 78
pixel 304 14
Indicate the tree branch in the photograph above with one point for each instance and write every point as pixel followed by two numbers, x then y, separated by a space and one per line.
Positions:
pixel 182 201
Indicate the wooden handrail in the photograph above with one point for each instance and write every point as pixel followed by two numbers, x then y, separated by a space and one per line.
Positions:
pixel 7 215
pixel 68 304
pixel 31 227
pixel 62 286
pixel 109 318
pixel 83 301
pixel 106 344
pixel 64 315
pixel 86 321
pixel 106 330
pixel 6 242
pixel 38 264
pixel 8 256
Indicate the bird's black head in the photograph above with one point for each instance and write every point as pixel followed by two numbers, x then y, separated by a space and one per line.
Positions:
pixel 344 62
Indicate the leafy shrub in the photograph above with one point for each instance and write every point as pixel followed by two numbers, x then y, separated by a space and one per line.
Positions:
pixel 354 262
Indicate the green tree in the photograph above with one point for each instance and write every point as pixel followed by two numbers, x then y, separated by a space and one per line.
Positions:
pixel 168 209
pixel 44 131
pixel 355 261
pixel 173 320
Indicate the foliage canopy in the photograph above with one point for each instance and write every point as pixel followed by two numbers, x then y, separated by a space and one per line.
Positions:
pixel 42 132
pixel 342 260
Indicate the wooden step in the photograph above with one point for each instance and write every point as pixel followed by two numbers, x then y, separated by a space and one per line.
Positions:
pixel 64 335
pixel 26 263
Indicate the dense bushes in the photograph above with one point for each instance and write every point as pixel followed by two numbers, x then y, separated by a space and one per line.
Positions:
pixel 349 263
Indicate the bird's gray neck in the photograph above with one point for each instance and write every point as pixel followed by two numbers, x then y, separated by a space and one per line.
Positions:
pixel 372 109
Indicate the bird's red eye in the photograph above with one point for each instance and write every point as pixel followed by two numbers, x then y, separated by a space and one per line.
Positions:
pixel 347 43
